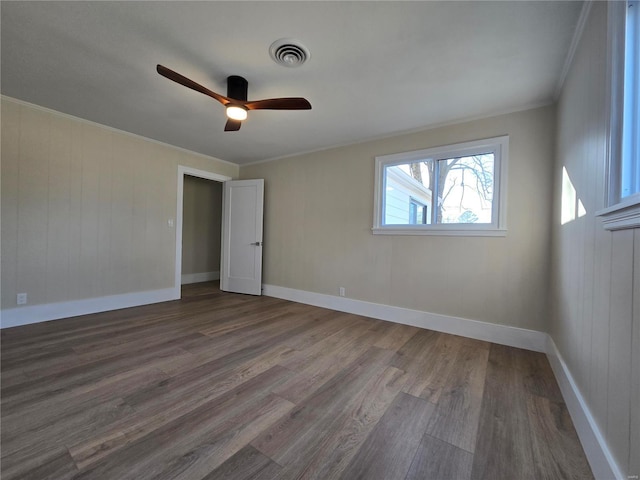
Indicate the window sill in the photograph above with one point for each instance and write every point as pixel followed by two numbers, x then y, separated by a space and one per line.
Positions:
pixel 623 215
pixel 449 232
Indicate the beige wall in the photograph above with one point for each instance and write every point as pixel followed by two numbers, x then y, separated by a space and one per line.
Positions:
pixel 593 322
pixel 85 209
pixel 201 225
pixel 319 212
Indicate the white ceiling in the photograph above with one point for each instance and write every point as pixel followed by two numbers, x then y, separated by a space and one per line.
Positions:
pixel 376 68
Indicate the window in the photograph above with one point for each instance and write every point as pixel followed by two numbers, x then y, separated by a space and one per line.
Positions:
pixel 624 51
pixel 623 188
pixel 630 181
pixel 451 190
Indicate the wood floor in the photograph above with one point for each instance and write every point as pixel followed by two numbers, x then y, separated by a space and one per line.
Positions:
pixel 224 386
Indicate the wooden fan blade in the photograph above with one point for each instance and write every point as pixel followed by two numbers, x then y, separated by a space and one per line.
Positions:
pixel 232 125
pixel 294 103
pixel 187 82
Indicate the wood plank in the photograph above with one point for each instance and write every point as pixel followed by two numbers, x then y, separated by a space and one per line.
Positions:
pixel 328 324
pixel 430 370
pixel 56 465
pixel 167 403
pixel 555 442
pixel 261 335
pixel 503 444
pixel 440 460
pixel 290 438
pixel 84 376
pixel 212 378
pixel 169 445
pixel 414 348
pixel 537 376
pixel 341 438
pixel 222 443
pixel 389 449
pixel 324 366
pixel 396 336
pixel 62 408
pixel 246 464
pixel 36 447
pixel 250 316
pixel 68 364
pixel 456 416
pixel 339 340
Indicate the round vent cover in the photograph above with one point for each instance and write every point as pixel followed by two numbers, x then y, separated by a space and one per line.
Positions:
pixel 289 52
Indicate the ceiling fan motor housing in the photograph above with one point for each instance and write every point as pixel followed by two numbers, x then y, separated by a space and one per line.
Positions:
pixel 237 88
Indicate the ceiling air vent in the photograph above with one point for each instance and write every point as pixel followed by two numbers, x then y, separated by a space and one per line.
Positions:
pixel 288 52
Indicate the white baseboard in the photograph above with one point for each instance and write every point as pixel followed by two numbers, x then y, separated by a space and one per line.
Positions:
pixel 595 446
pixel 188 278
pixel 14 317
pixel 490 332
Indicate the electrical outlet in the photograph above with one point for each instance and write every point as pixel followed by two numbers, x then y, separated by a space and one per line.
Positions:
pixel 21 298
pixel 342 291
pixel 171 223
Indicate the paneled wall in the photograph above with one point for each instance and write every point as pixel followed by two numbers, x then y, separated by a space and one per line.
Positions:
pixel 201 225
pixel 86 209
pixel 319 214
pixel 593 323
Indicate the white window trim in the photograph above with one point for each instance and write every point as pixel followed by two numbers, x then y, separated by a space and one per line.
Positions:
pixel 625 213
pixel 496 229
pixel 622 215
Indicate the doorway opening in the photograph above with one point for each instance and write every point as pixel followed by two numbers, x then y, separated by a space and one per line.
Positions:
pixel 201 230
pixel 195 260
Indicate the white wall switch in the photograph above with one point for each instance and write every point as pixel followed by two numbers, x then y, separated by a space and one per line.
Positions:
pixel 171 222
pixel 21 298
pixel 342 291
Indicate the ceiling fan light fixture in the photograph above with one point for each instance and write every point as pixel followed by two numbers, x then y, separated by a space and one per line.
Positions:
pixel 236 103
pixel 236 113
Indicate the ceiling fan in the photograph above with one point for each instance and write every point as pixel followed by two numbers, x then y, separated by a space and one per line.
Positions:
pixel 236 100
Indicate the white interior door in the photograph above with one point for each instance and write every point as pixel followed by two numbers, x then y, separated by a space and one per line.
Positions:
pixel 241 262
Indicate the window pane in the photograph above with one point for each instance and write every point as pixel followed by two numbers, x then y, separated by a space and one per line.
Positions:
pixel 466 189
pixel 630 168
pixel 407 196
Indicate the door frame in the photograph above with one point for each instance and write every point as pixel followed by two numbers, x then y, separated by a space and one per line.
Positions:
pixel 194 172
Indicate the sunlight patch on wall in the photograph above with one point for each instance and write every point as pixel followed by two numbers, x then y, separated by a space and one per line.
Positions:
pixel 572 206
